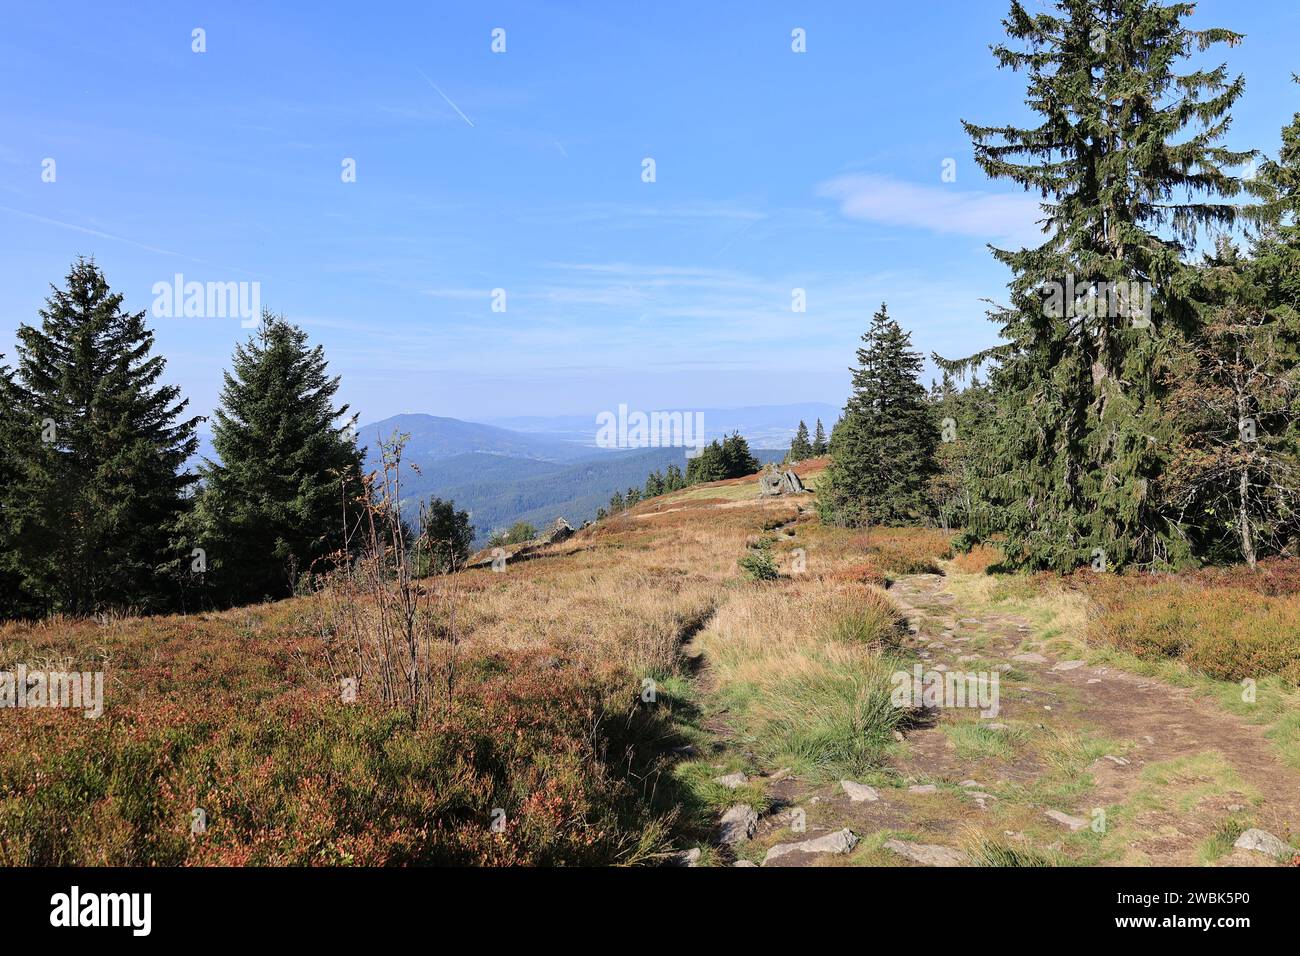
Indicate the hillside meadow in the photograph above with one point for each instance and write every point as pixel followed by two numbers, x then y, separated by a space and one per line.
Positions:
pixel 586 698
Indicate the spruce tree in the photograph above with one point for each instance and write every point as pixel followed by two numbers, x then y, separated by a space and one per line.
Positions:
pixel 13 600
pixel 272 504
pixel 446 536
pixel 947 488
pixel 819 446
pixel 1098 306
pixel 882 450
pixel 1276 252
pixel 801 448
pixel 97 448
pixel 737 460
pixel 719 460
pixel 1234 477
pixel 707 465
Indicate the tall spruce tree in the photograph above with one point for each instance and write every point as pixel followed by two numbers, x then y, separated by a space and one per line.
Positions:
pixel 883 448
pixel 1097 308
pixel 272 506
pixel 1234 480
pixel 801 448
pixel 1276 252
pixel 13 601
pixel 1234 477
pixel 96 447
pixel 819 445
pixel 947 489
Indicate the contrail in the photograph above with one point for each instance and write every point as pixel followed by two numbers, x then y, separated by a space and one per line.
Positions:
pixel 444 96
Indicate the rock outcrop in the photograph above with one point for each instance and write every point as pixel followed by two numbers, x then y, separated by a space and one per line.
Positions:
pixel 1261 841
pixel 927 854
pixel 775 482
pixel 738 824
pixel 557 531
pixel 841 841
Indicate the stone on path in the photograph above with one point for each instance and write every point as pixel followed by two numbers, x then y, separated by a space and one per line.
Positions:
pixel 686 857
pixel 922 788
pixel 732 780
pixel 1030 657
pixel 841 841
pixel 1120 761
pixel 744 863
pixel 738 824
pixel 969 783
pixel 927 854
pixel 1261 841
pixel 1074 823
pixel 858 792
pixel 1068 665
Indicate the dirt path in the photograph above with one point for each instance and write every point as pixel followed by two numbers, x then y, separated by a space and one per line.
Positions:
pixel 1081 764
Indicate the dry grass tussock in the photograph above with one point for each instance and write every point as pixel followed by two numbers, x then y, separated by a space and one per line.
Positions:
pixel 803 667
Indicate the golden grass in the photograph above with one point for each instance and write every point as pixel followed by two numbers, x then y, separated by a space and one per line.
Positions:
pixel 802 668
pixel 738 489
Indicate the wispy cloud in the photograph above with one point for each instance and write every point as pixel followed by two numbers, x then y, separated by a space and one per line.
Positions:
pixel 631 315
pixel 1001 218
pixel 100 234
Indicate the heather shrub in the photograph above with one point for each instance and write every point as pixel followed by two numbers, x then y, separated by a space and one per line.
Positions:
pixel 1226 632
pixel 906 550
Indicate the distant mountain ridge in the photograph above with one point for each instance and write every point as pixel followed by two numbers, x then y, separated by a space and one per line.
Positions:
pixel 548 468
pixel 764 426
pixel 433 437
pixel 500 475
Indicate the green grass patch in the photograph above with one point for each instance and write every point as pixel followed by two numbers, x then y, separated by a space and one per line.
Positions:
pixel 974 740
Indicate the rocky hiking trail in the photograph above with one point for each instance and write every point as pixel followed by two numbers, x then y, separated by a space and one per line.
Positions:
pixel 1084 764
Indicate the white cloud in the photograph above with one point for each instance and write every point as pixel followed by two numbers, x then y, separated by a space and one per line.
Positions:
pixel 1008 219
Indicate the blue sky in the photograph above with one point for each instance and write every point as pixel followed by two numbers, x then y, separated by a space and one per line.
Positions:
pixel 522 171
